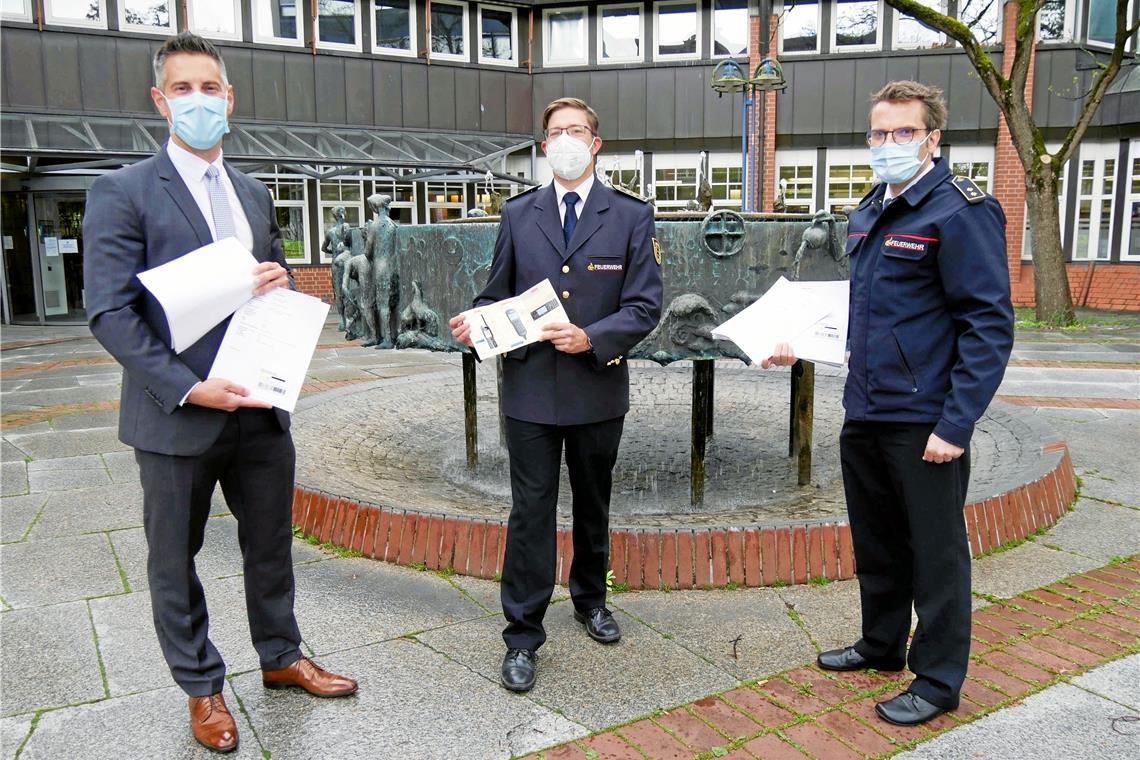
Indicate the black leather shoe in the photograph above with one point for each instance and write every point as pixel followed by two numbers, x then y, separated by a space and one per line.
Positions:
pixel 848 659
pixel 519 669
pixel 907 709
pixel 600 624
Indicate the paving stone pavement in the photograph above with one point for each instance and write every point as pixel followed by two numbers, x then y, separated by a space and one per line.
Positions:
pixel 81 675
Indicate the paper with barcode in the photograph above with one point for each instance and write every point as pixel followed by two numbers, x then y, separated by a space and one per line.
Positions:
pixel 269 343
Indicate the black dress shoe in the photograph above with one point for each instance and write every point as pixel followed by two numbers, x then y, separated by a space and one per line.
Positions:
pixel 519 669
pixel 907 709
pixel 600 624
pixel 848 659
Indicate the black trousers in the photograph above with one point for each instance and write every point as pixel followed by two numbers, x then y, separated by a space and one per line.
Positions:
pixel 254 462
pixel 910 548
pixel 529 565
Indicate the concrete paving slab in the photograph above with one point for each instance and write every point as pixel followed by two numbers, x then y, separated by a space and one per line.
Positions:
pixel 100 378
pixel 17 514
pixel 574 671
pixel 1062 721
pixel 11 453
pixel 151 725
pixel 122 466
pixel 13 731
pixel 13 478
pixel 1025 567
pixel 1118 681
pixel 831 613
pixel 1098 531
pixel 63 478
pixel 1103 444
pixel 73 394
pixel 394 676
pixel 486 593
pixel 707 622
pixel 69 443
pixel 41 671
pixel 90 510
pixel 86 420
pixel 58 570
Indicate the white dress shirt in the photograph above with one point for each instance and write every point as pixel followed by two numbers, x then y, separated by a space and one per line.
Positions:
pixel 583 190
pixel 192 170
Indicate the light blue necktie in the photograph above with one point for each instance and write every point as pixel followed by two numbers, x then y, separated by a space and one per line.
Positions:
pixel 219 205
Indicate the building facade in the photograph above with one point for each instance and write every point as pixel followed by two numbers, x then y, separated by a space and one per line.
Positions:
pixel 438 103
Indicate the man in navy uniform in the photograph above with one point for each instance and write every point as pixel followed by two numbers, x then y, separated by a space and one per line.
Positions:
pixel 596 245
pixel 931 329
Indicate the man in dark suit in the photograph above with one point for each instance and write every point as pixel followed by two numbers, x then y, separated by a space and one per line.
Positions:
pixel 597 248
pixel 190 433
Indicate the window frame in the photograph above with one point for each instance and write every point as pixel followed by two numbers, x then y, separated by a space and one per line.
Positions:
pixel 640 57
pixel 1067 25
pixel 657 54
pixel 514 59
pixel 430 205
pixel 818 34
pixel 169 29
pixel 357 47
pixel 546 36
pixel 412 29
pixel 270 180
pixel 1098 153
pixel 941 7
pixel 975 154
pixel 729 160
pixel 466 54
pixel 850 157
pixel 255 18
pixel 1000 25
pixel 51 20
pixel 322 204
pixel 236 36
pixel 712 36
pixel 25 15
pixel 876 45
pixel 1129 43
pixel 797 159
pixel 675 162
pixel 1132 200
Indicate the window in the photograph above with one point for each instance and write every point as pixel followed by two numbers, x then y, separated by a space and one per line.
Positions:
pixel 799 28
pixel 675 179
pixel 403 195
pixel 497 34
pixel 1095 189
pixel 678 27
pixel 983 17
pixel 1026 242
pixel 220 19
pixel 725 180
pixel 911 34
pixel 857 25
pixel 394 31
pixel 564 35
pixel 730 28
pixel 1130 241
pixel 974 162
pixel 1055 21
pixel 848 178
pixel 277 22
pixel 448 30
pixel 795 180
pixel 16 10
pixel 291 213
pixel 340 192
pixel 338 24
pixel 620 32
pixel 1102 23
pixel 446 201
pixel 91 13
pixel 626 169
pixel 146 15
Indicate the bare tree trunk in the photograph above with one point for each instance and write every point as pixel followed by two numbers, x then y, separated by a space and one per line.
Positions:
pixel 1050 280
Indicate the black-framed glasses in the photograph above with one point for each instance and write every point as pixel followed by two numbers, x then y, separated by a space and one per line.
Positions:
pixel 901 136
pixel 577 131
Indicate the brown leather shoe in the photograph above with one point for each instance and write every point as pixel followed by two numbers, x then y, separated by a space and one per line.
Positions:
pixel 307 675
pixel 212 724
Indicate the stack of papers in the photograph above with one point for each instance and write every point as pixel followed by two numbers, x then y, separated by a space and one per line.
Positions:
pixel 811 316
pixel 270 340
pixel 514 322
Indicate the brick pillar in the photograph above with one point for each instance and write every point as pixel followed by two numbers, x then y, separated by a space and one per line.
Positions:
pixel 1009 175
pixel 763 163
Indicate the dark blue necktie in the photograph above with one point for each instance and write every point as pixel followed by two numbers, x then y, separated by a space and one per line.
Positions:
pixel 570 221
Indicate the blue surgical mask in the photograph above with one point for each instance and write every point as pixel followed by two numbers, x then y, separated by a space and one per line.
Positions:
pixel 199 119
pixel 894 163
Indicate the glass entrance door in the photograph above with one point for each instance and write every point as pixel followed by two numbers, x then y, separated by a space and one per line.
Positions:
pixel 59 239
pixel 19 272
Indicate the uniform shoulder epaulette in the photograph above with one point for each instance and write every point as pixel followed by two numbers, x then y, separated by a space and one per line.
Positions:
pixel 969 190
pixel 530 189
pixel 626 191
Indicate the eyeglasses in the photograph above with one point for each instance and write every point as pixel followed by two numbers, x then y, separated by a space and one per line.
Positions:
pixel 901 136
pixel 577 131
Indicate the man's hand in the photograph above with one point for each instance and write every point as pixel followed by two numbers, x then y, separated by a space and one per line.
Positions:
pixel 460 330
pixel 940 451
pixel 218 393
pixel 782 356
pixel 269 275
pixel 566 337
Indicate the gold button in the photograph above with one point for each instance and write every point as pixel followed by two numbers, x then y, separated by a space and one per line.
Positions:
pixel 565 270
pixel 565 294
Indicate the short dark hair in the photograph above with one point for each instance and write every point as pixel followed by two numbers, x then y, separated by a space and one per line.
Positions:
pixel 185 42
pixel 933 106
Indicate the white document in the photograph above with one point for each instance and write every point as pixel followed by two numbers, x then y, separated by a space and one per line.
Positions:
pixel 51 246
pixel 68 245
pixel 826 340
pixel 514 322
pixel 778 316
pixel 200 289
pixel 269 344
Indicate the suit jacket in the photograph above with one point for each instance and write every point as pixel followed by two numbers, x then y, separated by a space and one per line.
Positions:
pixel 609 282
pixel 137 218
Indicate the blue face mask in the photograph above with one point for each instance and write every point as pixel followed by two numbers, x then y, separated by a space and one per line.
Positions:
pixel 199 119
pixel 894 163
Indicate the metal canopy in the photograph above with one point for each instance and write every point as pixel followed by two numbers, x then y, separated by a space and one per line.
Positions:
pixel 333 149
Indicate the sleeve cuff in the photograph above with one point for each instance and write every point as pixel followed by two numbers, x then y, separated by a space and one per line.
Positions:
pixel 954 434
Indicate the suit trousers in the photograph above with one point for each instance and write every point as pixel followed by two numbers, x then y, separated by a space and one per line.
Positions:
pixel 253 459
pixel 910 542
pixel 529 565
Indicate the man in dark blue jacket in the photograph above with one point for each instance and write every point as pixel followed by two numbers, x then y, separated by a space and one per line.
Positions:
pixel 931 329
pixel 597 247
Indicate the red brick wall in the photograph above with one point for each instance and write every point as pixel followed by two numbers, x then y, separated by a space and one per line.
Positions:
pixel 1113 286
pixel 315 281
pixel 762 168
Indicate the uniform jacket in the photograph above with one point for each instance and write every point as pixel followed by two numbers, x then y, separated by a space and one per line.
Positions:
pixel 931 323
pixel 137 218
pixel 610 284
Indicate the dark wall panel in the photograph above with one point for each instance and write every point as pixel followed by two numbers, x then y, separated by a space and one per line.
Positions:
pixel 360 91
pixel 659 112
pixel 519 108
pixel 547 87
pixel 135 75
pixel 720 113
pixel 964 96
pixel 239 71
pixel 23 84
pixel 467 100
pixel 839 113
pixel 632 104
pixel 98 74
pixel 807 117
pixel 688 97
pixel 61 60
pixel 268 70
pixel 330 88
pixel 415 88
pixel 902 67
pixel 388 94
pixel 575 84
pixel 493 101
pixel 935 70
pixel 299 81
pixel 604 100
pixel 441 97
